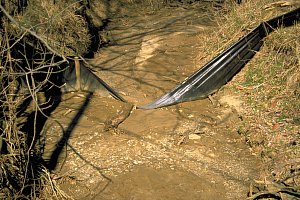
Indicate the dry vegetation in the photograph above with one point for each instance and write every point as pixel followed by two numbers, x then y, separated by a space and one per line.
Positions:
pixel 269 86
pixel 36 37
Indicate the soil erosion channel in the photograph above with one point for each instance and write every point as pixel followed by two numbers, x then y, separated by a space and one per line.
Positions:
pixel 187 151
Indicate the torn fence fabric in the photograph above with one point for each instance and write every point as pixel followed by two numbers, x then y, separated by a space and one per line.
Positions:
pixel 80 77
pixel 222 68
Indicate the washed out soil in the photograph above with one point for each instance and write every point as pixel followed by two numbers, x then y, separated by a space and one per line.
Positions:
pixel 187 151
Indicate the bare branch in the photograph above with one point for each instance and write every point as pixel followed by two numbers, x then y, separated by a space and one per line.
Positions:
pixel 32 33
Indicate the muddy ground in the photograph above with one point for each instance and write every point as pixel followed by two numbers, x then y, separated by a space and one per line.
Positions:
pixel 187 151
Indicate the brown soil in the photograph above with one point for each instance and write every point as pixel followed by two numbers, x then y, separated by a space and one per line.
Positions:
pixel 187 151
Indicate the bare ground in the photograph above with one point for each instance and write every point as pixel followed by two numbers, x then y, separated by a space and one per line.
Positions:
pixel 187 151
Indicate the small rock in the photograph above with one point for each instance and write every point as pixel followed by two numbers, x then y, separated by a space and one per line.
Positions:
pixel 135 162
pixel 194 137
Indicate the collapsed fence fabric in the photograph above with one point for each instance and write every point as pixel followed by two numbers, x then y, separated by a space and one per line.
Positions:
pixel 78 77
pixel 222 68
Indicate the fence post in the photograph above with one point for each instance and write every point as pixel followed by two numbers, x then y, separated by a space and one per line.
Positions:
pixel 77 71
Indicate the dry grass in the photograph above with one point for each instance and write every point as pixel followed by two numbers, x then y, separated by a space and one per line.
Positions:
pixel 273 98
pixel 235 21
pixel 40 32
pixel 58 23
pixel 269 84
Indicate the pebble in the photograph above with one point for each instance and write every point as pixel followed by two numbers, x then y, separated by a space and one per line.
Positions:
pixel 194 137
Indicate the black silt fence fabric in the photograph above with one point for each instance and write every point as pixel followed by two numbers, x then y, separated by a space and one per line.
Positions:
pixel 223 67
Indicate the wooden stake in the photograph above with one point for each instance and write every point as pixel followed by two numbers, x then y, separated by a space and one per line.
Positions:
pixel 77 71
